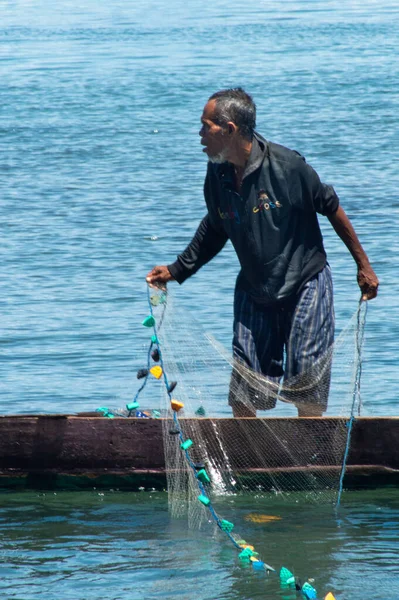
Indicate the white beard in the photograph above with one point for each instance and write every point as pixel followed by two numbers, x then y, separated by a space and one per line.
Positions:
pixel 218 159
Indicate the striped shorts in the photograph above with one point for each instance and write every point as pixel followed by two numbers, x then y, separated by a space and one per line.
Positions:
pixel 285 342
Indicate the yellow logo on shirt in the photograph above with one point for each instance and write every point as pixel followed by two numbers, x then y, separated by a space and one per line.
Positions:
pixel 265 203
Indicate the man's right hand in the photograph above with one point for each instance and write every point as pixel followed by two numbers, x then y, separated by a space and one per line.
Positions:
pixel 159 276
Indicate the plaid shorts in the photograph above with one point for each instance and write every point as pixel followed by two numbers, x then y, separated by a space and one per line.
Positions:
pixel 286 341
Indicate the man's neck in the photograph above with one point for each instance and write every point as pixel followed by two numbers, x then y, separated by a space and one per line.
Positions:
pixel 240 155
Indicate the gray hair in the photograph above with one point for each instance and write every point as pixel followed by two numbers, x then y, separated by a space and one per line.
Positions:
pixel 236 105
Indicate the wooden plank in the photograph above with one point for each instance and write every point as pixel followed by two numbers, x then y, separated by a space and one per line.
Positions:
pixel 50 449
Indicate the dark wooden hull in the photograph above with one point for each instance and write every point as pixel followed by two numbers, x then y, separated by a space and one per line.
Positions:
pixel 73 452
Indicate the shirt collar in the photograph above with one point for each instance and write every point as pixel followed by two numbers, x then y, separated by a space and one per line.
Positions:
pixel 256 156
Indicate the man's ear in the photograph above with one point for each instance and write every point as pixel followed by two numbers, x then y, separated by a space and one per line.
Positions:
pixel 231 127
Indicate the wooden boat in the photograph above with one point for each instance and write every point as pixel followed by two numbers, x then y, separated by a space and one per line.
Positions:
pixel 86 451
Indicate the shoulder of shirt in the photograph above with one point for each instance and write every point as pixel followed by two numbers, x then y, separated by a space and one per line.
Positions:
pixel 285 155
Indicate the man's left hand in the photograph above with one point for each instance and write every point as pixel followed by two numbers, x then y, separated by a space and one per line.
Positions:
pixel 368 282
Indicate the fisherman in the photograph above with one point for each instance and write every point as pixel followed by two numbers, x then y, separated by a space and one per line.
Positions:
pixel 265 199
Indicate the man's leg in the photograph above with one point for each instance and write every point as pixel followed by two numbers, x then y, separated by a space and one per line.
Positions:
pixel 257 349
pixel 309 410
pixel 309 339
pixel 242 410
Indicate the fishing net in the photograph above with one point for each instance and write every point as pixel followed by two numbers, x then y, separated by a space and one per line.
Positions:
pixel 278 454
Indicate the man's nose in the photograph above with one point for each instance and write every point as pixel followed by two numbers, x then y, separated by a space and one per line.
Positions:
pixel 201 132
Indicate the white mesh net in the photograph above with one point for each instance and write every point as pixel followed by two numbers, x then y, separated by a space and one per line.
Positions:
pixel 276 454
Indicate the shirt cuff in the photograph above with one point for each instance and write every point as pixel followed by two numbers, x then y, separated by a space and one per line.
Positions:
pixel 177 271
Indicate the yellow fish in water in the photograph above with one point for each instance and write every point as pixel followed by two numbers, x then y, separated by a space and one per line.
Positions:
pixel 256 518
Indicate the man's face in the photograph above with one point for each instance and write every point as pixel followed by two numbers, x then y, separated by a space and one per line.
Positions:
pixel 213 136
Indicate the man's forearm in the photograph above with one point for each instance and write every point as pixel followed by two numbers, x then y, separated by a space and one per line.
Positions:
pixel 367 279
pixel 344 228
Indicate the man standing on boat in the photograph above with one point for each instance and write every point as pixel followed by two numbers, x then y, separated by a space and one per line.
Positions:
pixel 265 199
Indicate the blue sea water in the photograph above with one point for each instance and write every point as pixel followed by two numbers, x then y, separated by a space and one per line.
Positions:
pixel 101 177
pixel 101 173
pixel 108 545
